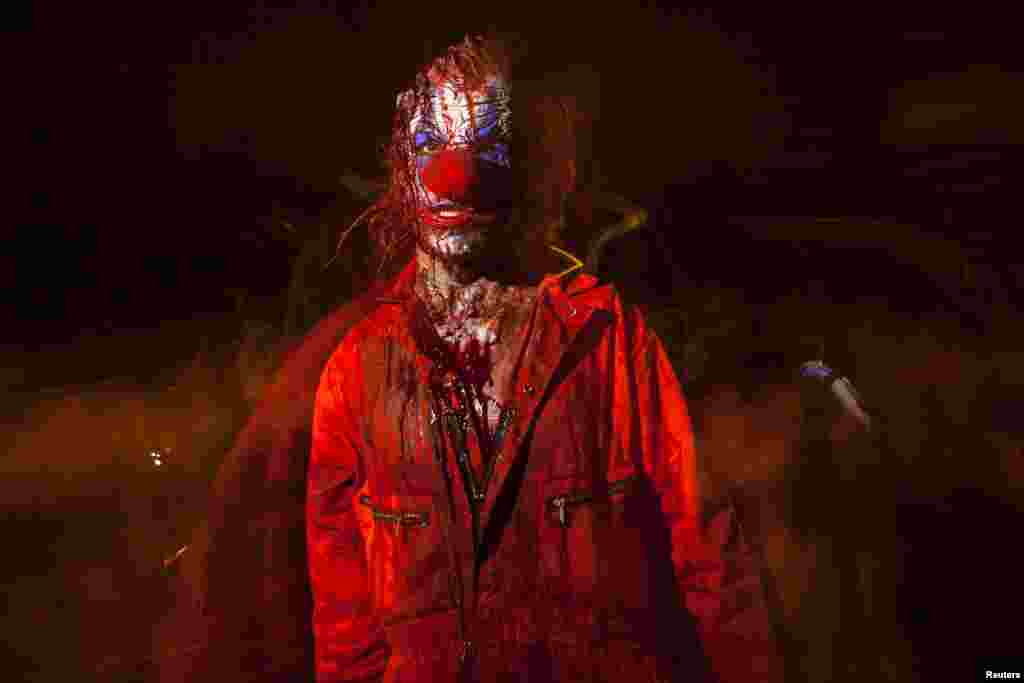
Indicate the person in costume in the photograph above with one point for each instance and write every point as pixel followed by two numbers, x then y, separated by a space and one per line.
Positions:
pixel 499 476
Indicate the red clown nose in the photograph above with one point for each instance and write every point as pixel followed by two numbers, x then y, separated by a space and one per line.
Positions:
pixel 450 174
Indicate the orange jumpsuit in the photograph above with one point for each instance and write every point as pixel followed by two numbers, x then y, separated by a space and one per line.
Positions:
pixel 586 555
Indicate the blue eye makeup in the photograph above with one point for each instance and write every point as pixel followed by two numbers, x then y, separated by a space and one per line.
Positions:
pixel 494 151
pixel 425 140
pixel 488 123
pixel 451 118
pixel 491 112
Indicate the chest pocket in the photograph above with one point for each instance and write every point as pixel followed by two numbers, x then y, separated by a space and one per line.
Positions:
pixel 407 557
pixel 592 539
pixel 400 518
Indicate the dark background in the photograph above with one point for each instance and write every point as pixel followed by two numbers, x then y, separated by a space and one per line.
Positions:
pixel 160 137
pixel 842 155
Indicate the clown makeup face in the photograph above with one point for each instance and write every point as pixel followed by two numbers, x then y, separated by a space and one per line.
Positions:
pixel 459 163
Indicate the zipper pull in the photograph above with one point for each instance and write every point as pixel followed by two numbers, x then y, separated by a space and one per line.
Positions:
pixel 559 504
pixel 466 651
pixel 415 519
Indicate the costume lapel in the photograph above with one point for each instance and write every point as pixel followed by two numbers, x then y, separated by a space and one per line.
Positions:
pixel 558 340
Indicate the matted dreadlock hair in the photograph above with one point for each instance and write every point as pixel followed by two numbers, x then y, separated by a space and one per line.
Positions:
pixel 543 140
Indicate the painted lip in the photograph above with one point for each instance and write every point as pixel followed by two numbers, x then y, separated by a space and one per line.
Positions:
pixel 454 217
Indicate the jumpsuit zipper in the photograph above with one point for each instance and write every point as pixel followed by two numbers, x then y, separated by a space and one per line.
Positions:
pixel 456 425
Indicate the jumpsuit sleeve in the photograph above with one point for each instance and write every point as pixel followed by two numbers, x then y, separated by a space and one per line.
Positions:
pixel 349 642
pixel 710 582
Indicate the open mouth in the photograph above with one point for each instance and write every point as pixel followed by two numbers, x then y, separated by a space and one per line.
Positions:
pixel 458 216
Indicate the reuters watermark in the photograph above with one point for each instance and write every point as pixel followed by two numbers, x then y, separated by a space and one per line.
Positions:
pixel 998 668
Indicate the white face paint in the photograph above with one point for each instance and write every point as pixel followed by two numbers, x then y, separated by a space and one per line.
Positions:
pixel 448 117
pixel 451 244
pixel 458 158
pixel 454 116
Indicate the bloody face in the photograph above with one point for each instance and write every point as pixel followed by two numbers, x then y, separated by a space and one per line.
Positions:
pixel 460 169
